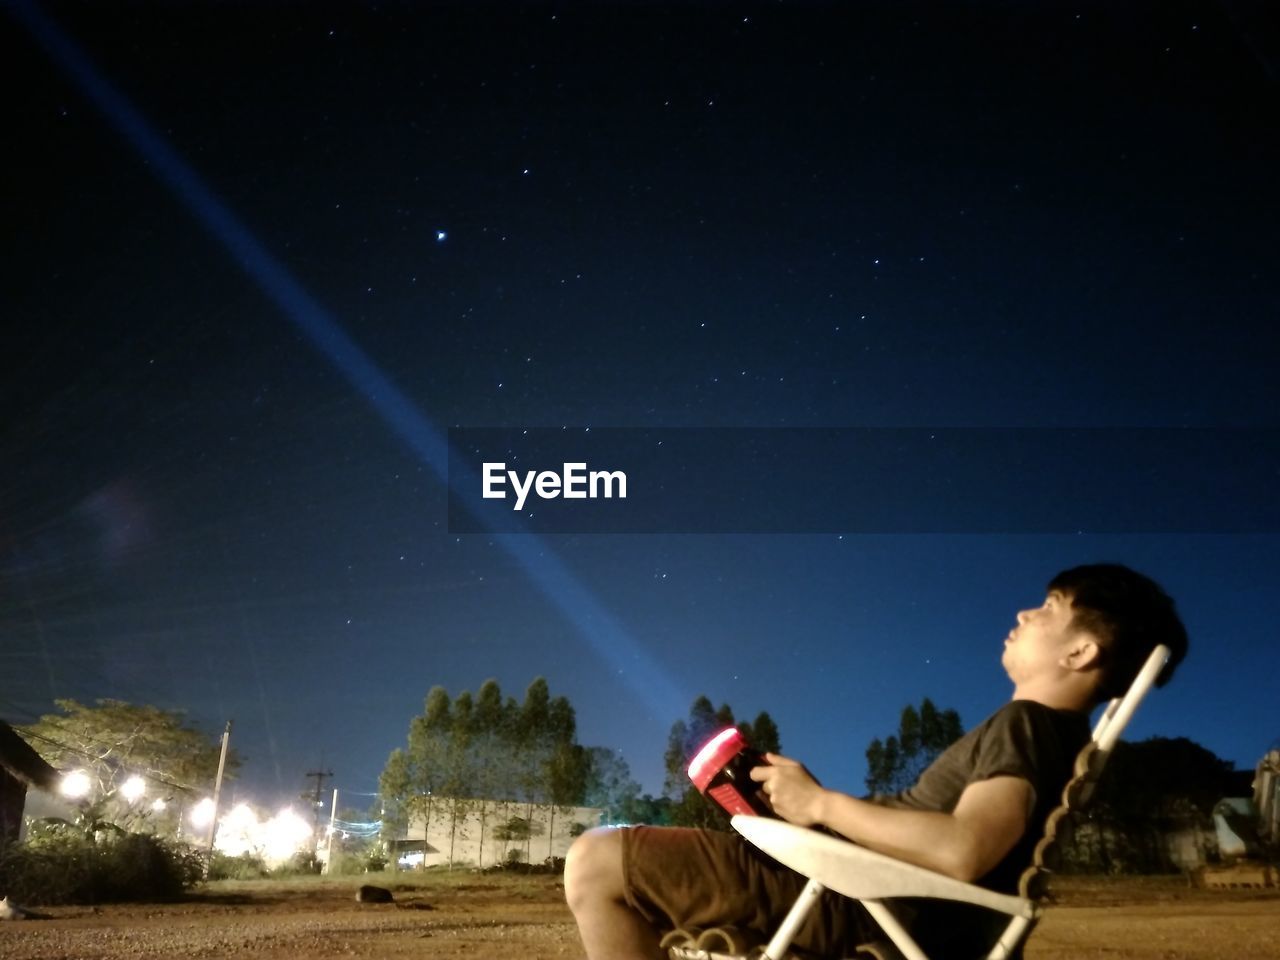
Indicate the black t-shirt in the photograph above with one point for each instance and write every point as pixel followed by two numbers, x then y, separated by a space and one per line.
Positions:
pixel 1022 739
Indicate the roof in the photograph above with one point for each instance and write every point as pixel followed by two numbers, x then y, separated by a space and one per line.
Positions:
pixel 19 760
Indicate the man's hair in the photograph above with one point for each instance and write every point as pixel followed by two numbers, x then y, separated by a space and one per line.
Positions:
pixel 1129 614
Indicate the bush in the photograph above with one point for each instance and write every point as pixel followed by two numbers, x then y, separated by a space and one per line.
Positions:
pixel 62 864
pixel 344 865
pixel 244 867
pixel 302 862
pixel 551 865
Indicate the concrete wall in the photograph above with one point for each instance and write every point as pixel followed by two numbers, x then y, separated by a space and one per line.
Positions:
pixel 473 832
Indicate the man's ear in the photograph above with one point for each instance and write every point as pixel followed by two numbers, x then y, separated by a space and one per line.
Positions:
pixel 1083 652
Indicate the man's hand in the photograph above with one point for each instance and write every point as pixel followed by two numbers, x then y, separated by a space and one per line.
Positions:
pixel 791 790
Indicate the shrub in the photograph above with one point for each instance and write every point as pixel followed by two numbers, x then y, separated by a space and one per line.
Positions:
pixel 551 865
pixel 62 864
pixel 302 862
pixel 346 866
pixel 243 867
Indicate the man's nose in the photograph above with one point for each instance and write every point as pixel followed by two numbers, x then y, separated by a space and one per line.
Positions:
pixel 1022 616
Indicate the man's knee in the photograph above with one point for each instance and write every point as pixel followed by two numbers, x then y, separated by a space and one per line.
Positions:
pixel 593 868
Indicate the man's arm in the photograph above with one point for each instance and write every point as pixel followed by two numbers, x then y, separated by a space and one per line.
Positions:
pixel 967 843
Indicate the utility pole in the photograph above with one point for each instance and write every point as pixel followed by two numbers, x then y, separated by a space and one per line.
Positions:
pixel 321 776
pixel 333 820
pixel 217 798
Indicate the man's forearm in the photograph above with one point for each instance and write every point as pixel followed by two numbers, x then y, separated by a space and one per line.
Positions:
pixel 936 841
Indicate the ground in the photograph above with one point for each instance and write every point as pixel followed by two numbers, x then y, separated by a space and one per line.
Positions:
pixel 464 915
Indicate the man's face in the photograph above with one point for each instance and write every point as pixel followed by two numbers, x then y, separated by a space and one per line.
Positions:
pixel 1036 645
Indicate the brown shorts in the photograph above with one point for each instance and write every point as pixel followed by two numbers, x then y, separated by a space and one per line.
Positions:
pixel 694 879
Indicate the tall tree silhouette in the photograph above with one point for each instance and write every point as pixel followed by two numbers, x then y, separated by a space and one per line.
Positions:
pixel 895 763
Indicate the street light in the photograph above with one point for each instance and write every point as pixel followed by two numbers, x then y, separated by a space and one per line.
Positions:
pixel 202 813
pixel 133 788
pixel 75 785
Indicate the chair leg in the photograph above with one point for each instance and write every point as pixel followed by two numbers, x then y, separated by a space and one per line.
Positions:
pixel 894 930
pixel 808 899
pixel 1009 946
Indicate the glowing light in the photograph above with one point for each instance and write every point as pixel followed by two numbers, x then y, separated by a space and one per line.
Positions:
pixel 237 831
pixel 275 840
pixel 286 834
pixel 133 788
pixel 202 813
pixel 411 859
pixel 715 752
pixel 158 805
pixel 75 785
pixel 441 236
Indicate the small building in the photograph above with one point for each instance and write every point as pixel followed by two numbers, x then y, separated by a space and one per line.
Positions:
pixel 20 767
pixel 448 831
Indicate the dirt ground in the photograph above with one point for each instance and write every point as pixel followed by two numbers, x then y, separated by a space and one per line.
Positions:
pixel 466 916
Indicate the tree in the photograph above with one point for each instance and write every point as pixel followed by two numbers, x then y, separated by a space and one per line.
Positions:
pixel 528 738
pixel 114 741
pixel 1149 788
pixel 490 745
pixel 1159 774
pixel 897 762
pixel 416 775
pixel 608 784
pixel 460 780
pixel 646 809
pixel 474 751
pixel 762 733
pixel 610 788
pixel 396 793
pixel 556 764
pixel 520 830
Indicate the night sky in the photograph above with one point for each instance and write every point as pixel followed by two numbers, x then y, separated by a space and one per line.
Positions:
pixel 722 215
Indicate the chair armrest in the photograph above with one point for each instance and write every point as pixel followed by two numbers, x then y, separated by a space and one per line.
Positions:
pixel 863 874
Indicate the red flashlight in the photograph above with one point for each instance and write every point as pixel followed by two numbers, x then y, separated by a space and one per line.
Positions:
pixel 721 770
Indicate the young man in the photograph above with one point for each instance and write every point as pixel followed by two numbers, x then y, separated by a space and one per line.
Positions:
pixel 975 813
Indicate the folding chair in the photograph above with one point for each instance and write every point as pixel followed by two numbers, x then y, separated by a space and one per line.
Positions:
pixel 873 878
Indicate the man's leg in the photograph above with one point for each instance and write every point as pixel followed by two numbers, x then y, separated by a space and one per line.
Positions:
pixel 593 885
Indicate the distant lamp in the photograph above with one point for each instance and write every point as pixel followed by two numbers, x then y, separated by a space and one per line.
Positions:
pixel 158 805
pixel 202 813
pixel 133 788
pixel 284 835
pixel 75 785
